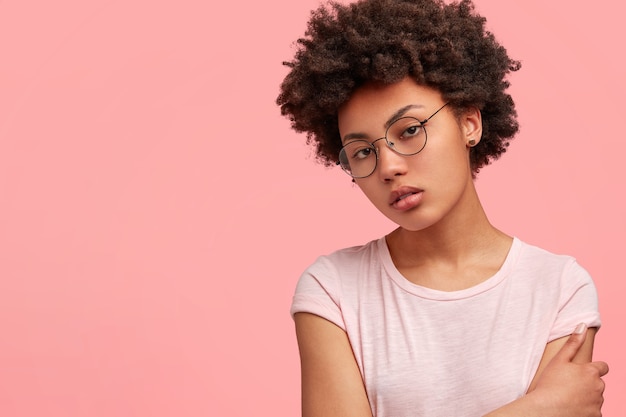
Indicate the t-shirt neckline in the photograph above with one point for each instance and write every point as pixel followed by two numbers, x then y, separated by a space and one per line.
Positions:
pixel 429 293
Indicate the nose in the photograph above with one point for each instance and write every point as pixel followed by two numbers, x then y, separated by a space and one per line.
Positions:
pixel 390 164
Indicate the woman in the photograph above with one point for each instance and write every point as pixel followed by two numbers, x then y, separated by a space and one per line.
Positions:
pixel 446 315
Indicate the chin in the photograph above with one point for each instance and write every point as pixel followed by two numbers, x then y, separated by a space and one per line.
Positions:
pixel 413 222
pixel 414 226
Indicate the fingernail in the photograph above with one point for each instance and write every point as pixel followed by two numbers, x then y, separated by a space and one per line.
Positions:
pixel 580 328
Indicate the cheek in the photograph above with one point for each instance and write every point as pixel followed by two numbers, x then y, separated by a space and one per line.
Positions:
pixel 377 196
pixel 445 159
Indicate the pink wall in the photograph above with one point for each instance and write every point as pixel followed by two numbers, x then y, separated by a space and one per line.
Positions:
pixel 156 210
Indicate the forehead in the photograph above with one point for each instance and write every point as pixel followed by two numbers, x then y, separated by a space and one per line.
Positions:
pixel 372 106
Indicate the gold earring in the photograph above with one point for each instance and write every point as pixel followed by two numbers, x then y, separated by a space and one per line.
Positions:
pixel 472 142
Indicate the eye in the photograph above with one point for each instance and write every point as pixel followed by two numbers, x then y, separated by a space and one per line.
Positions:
pixel 411 131
pixel 362 153
pixel 405 129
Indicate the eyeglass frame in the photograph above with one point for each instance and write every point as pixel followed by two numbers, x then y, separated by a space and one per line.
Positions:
pixel 389 145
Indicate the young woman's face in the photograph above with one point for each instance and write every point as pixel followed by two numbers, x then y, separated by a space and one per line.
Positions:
pixel 420 190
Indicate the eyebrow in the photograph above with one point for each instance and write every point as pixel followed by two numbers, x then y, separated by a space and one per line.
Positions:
pixel 401 112
pixel 398 114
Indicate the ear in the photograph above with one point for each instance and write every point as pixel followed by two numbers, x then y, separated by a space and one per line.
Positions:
pixel 472 126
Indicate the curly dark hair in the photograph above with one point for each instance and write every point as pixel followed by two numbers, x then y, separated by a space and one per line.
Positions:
pixel 442 46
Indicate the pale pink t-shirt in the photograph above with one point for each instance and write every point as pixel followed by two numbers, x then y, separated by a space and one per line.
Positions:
pixel 424 352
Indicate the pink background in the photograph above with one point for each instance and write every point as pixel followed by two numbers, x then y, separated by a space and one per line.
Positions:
pixel 156 210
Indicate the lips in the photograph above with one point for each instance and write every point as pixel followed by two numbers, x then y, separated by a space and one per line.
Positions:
pixel 401 193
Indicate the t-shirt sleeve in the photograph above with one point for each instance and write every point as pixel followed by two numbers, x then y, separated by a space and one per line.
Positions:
pixel 578 302
pixel 317 292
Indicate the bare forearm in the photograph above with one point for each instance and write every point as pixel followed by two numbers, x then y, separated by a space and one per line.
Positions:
pixel 566 385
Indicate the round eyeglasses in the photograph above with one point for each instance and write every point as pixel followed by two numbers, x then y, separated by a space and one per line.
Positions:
pixel 405 136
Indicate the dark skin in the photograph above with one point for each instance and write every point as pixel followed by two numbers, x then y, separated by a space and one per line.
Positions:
pixel 568 385
pixel 444 242
pixel 445 48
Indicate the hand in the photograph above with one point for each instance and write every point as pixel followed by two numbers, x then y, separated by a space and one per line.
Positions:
pixel 572 389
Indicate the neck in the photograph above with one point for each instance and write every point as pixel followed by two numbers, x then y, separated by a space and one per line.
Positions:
pixel 463 235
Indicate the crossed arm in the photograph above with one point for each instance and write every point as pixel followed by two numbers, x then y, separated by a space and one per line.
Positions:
pixel 566 382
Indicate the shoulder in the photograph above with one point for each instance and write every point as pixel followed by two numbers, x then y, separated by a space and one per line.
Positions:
pixel 347 260
pixel 563 271
pixel 534 257
pixel 321 286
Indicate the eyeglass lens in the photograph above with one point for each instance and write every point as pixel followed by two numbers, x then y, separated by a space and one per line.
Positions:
pixel 405 136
